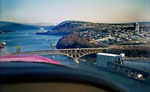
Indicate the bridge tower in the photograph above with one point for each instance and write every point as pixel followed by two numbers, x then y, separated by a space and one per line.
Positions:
pixel 52 47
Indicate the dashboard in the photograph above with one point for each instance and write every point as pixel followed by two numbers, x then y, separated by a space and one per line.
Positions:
pixel 40 77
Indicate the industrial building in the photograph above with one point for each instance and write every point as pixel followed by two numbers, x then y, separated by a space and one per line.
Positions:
pixel 104 58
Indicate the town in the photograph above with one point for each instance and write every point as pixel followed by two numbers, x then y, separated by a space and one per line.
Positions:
pixel 129 33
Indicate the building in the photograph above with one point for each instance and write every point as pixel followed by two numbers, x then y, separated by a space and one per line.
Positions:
pixel 137 26
pixel 104 58
pixel 90 38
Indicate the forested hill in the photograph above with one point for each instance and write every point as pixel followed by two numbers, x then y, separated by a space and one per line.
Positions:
pixel 76 41
pixel 75 26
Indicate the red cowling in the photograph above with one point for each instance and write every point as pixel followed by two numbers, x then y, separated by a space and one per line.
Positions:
pixel 27 58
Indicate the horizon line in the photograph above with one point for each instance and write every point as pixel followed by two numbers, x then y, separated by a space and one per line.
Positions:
pixel 70 20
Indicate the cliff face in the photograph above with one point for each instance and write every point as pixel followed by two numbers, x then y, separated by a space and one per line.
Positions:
pixel 75 41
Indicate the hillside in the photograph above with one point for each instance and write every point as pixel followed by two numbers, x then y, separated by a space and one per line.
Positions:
pixel 11 27
pixel 141 51
pixel 76 41
pixel 69 27
pixel 75 26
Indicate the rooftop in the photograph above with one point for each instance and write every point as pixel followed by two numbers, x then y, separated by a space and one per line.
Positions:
pixel 108 54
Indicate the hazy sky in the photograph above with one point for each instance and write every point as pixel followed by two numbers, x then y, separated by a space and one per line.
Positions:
pixel 55 11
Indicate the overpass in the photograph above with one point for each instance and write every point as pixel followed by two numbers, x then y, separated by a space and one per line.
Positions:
pixel 75 54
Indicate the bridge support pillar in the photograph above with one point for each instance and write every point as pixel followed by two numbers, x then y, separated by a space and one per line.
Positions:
pixel 18 49
pixel 77 61
pixel 52 56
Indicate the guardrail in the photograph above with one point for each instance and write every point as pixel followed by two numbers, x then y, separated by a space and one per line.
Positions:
pixel 130 71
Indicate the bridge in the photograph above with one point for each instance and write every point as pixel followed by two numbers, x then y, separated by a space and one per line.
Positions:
pixel 75 54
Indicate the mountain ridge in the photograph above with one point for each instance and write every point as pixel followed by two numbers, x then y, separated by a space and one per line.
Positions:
pixel 67 27
pixel 13 26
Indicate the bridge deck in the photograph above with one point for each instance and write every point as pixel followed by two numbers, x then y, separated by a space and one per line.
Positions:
pixel 74 53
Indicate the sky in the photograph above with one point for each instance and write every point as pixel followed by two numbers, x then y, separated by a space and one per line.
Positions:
pixel 56 11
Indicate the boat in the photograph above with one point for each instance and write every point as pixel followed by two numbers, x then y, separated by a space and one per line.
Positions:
pixel 3 44
pixel 43 31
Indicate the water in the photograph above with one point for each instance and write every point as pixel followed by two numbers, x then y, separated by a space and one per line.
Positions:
pixel 28 41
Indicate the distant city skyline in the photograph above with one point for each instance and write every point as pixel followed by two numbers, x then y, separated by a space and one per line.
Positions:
pixel 56 11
